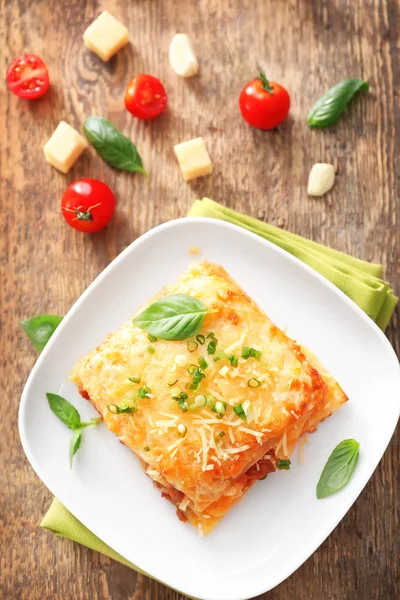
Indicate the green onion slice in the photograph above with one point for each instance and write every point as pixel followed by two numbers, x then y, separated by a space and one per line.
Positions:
pixel 192 369
pixel 212 346
pixel 192 346
pixel 233 360
pixel 248 352
pixel 144 392
pixel 201 339
pixel 150 349
pixel 203 364
pixel 283 464
pixel 134 379
pixel 146 448
pixel 239 411
pixel 152 338
pixel 253 383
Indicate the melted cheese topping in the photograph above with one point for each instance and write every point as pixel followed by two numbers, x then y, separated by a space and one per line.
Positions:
pixel 208 463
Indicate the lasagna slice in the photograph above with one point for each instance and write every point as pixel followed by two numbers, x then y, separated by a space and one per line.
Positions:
pixel 210 415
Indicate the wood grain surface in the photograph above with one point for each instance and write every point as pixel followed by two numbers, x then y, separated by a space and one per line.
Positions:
pixel 307 45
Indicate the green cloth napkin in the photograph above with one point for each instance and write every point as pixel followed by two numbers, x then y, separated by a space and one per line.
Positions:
pixel 358 279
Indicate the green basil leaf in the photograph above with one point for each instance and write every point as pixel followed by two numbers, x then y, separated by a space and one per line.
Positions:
pixel 327 110
pixel 116 149
pixel 339 468
pixel 64 411
pixel 74 445
pixel 174 317
pixel 39 329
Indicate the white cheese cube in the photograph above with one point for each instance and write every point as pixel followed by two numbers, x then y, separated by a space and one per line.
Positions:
pixel 64 147
pixel 193 159
pixel 181 56
pixel 321 179
pixel 105 36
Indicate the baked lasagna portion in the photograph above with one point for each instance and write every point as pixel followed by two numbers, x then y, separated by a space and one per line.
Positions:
pixel 210 415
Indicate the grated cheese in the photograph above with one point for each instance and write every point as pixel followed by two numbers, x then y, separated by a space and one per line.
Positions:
pixel 235 345
pixel 184 504
pixel 175 444
pixel 164 414
pixel 204 448
pixel 209 468
pixel 237 450
pixel 231 436
pixel 250 431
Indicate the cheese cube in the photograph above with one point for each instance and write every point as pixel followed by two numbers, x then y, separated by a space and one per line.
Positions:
pixel 105 36
pixel 193 159
pixel 64 147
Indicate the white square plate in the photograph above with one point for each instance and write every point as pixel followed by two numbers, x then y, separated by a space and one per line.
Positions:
pixel 280 522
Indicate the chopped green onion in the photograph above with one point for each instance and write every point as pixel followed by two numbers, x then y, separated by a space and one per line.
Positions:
pixel 176 392
pixel 152 338
pixel 203 363
pixel 200 400
pixel 219 356
pixel 210 401
pixel 283 464
pixel 192 346
pixel 144 392
pixel 221 434
pixel 198 377
pixel 124 407
pixel 212 346
pixel 233 360
pixel 191 386
pixel 150 349
pixel 183 405
pixel 192 407
pixel 248 352
pixel 201 339
pixel 192 369
pixel 210 336
pixel 146 448
pixel 134 379
pixel 220 407
pixel 253 383
pixel 239 411
pixel 173 383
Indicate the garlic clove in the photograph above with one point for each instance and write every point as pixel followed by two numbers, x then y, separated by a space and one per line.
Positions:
pixel 181 56
pixel 321 179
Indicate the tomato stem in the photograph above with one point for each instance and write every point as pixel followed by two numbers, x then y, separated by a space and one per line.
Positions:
pixel 265 83
pixel 82 215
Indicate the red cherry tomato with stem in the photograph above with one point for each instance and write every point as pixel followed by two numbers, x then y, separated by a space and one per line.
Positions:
pixel 145 97
pixel 264 104
pixel 88 205
pixel 28 77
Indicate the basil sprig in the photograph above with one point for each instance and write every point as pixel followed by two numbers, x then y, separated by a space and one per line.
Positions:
pixel 339 468
pixel 39 329
pixel 116 149
pixel 174 317
pixel 68 414
pixel 327 109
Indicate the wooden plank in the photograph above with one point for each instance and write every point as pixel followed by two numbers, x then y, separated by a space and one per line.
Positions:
pixel 45 266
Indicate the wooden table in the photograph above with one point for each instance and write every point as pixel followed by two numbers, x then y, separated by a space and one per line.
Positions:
pixel 45 265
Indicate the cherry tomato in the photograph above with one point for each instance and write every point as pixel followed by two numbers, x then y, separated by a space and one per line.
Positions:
pixel 145 97
pixel 264 104
pixel 27 77
pixel 88 205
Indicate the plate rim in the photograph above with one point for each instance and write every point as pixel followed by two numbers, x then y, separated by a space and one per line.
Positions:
pixel 187 221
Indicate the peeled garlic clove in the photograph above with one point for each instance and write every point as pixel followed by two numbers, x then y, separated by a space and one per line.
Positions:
pixel 181 56
pixel 321 179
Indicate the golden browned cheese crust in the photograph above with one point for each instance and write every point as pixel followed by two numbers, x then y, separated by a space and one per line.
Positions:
pixel 208 468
